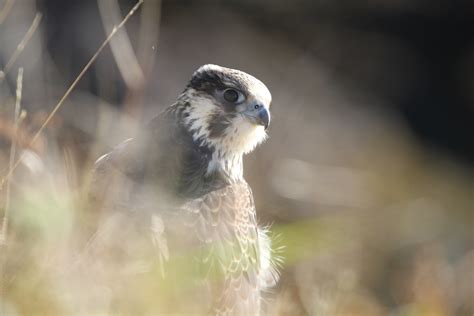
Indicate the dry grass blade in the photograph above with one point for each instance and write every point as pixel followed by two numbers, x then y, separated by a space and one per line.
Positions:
pixel 121 45
pixel 74 84
pixel 4 227
pixel 19 87
pixel 5 10
pixel 19 49
pixel 149 32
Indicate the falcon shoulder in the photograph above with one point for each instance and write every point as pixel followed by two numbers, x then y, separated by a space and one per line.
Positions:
pixel 116 174
pixel 162 157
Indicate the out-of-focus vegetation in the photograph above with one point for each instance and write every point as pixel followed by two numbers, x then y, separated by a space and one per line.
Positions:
pixel 366 178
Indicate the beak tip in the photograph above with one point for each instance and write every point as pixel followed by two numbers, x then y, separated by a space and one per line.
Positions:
pixel 264 118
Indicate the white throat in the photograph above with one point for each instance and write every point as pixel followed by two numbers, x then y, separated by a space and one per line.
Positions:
pixel 230 164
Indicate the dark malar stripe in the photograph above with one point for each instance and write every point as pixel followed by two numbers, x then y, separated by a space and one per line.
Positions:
pixel 218 124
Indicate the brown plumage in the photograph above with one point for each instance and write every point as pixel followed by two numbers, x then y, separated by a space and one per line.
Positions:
pixel 178 188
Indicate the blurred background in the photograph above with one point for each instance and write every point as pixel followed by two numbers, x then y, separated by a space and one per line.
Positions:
pixel 367 177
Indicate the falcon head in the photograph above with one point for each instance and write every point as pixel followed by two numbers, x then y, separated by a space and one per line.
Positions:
pixel 226 109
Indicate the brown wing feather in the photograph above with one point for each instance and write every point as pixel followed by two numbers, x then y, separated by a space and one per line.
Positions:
pixel 225 222
pixel 109 179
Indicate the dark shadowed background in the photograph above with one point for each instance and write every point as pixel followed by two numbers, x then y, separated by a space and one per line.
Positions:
pixel 367 176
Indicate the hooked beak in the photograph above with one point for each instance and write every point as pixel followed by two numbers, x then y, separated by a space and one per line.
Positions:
pixel 259 115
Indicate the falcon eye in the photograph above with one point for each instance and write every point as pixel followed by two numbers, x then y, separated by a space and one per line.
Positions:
pixel 233 96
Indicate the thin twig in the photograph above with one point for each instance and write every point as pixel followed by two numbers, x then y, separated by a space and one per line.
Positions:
pixel 4 228
pixel 74 84
pixel 16 117
pixel 19 49
pixel 5 10
pixel 149 33
pixel 121 45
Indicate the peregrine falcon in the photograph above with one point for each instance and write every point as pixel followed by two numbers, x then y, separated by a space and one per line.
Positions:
pixel 183 177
